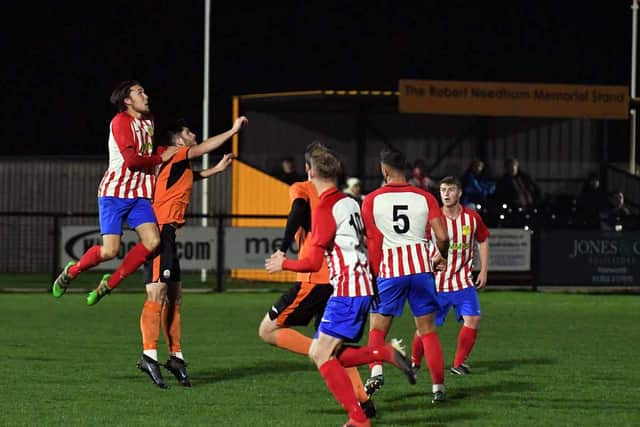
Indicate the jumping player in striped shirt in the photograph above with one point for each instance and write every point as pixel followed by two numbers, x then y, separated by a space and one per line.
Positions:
pixel 124 193
pixel 396 217
pixel 455 284
pixel 337 233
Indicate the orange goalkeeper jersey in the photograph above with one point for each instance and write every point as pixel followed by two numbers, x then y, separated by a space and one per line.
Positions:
pixel 305 190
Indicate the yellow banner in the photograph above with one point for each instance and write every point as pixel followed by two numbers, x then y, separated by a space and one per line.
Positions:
pixel 513 99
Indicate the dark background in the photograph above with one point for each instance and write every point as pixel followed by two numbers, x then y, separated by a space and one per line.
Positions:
pixel 62 60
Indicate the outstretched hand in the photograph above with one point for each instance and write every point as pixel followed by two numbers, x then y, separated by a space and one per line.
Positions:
pixel 274 263
pixel 224 162
pixel 239 124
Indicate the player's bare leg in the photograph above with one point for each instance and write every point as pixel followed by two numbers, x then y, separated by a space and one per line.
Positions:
pixel 378 329
pixel 466 341
pixel 433 354
pixel 149 235
pixel 172 327
pixel 150 331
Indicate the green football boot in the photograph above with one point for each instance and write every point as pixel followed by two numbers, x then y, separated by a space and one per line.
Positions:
pixel 102 290
pixel 62 281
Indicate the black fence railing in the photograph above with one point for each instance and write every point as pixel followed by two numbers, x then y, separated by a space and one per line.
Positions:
pixel 31 240
pixel 559 255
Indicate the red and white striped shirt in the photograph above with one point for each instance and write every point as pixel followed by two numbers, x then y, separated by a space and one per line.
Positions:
pixel 131 170
pixel 464 230
pixel 337 233
pixel 396 217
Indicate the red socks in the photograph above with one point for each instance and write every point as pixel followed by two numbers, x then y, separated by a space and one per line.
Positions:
pixel 433 355
pixel 466 340
pixel 376 339
pixel 91 258
pixel 356 356
pixel 339 385
pixel 417 350
pixel 131 262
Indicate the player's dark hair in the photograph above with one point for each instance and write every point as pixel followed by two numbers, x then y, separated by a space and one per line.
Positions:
pixel 451 180
pixel 174 130
pixel 325 163
pixel 121 92
pixel 393 158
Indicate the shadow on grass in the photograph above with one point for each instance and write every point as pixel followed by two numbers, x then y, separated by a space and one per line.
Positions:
pixel 397 414
pixel 508 364
pixel 262 368
pixel 461 392
pixel 430 419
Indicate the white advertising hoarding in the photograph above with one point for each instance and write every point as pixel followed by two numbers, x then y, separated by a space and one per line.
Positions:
pixel 248 247
pixel 196 246
pixel 509 250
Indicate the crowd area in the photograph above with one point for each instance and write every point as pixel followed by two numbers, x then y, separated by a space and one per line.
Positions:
pixel 514 199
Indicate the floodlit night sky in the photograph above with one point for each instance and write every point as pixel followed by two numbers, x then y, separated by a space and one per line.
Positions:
pixel 61 65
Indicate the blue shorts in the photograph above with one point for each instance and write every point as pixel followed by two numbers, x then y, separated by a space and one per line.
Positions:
pixel 418 289
pixel 345 317
pixel 114 210
pixel 465 302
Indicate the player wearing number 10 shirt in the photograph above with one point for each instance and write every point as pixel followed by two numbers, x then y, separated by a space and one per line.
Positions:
pixel 396 217
pixel 337 233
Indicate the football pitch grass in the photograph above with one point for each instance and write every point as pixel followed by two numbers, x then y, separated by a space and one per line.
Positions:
pixel 540 360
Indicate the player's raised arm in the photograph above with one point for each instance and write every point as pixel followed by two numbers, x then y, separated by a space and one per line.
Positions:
pixel 214 142
pixel 219 167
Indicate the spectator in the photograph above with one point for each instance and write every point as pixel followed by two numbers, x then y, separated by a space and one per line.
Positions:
pixel 287 173
pixel 617 216
pixel 476 189
pixel 516 188
pixel 420 179
pixel 354 189
pixel 590 202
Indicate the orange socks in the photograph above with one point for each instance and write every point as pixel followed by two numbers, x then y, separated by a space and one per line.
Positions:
pixel 356 383
pixel 294 341
pixel 150 324
pixel 172 326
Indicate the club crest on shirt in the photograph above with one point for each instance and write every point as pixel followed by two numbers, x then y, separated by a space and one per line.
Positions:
pixel 146 147
pixel 149 130
pixel 466 230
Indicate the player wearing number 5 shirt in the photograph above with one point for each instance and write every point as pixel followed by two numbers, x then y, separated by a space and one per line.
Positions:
pixel 396 217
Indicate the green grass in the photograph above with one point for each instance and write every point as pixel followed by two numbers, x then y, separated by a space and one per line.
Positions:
pixel 89 280
pixel 540 360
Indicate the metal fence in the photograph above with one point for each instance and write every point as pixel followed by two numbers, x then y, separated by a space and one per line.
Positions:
pixel 70 184
pixel 31 243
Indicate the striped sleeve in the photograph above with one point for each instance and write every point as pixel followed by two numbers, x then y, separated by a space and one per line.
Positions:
pixel 374 236
pixel 124 138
